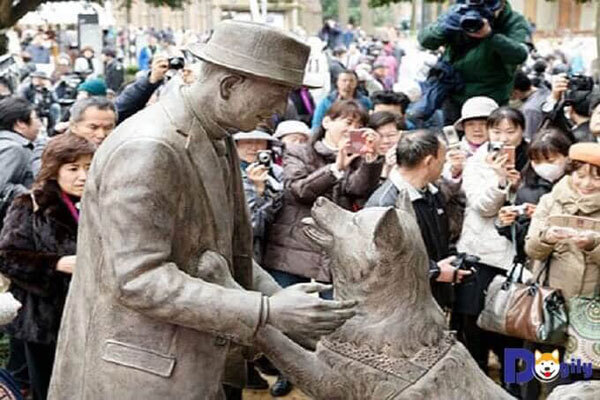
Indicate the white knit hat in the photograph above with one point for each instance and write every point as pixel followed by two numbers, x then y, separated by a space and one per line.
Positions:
pixel 291 126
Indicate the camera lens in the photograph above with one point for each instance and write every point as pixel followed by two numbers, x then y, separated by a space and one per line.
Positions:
pixel 471 24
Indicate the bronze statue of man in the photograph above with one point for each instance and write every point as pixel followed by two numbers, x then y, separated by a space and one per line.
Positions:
pixel 165 281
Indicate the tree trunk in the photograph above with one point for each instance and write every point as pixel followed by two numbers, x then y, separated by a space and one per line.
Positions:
pixel 365 17
pixel 343 12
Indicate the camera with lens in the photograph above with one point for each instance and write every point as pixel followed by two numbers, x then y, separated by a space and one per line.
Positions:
pixel 473 12
pixel 43 100
pixel 577 86
pixel 495 147
pixel 176 63
pixel 265 158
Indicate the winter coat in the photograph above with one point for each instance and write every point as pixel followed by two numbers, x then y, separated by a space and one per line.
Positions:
pixel 488 65
pixel 134 97
pixel 115 75
pixel 34 238
pixel 262 208
pixel 572 270
pixel 307 176
pixel 530 192
pixel 17 159
pixel 163 251
pixel 484 199
pixel 430 212
pixel 325 104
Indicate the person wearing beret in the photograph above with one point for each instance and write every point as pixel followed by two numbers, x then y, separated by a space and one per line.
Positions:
pixel 165 287
pixel 574 261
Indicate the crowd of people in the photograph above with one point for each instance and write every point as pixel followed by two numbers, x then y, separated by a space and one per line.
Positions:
pixel 515 141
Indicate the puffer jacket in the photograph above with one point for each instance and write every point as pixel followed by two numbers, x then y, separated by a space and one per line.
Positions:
pixel 572 270
pixel 307 175
pixel 484 199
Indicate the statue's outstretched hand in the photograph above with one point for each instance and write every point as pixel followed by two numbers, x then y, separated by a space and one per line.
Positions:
pixel 294 310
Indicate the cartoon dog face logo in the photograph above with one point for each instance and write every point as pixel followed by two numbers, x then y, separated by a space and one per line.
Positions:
pixel 547 366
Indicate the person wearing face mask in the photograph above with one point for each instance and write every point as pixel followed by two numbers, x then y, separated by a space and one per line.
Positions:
pixel 548 159
pixel 574 259
pixel 346 85
pixel 489 180
pixel 473 123
pixel 37 251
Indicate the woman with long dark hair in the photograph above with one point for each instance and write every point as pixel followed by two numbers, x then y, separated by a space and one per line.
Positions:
pixel 37 251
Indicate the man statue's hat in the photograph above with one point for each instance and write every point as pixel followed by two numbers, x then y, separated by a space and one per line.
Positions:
pixel 256 49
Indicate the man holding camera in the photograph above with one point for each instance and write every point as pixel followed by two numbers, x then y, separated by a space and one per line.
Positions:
pixel 571 94
pixel 484 42
pixel 135 96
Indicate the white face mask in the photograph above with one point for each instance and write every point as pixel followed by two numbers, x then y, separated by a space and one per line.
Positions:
pixel 549 172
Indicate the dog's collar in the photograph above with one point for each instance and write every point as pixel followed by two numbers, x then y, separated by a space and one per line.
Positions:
pixel 409 370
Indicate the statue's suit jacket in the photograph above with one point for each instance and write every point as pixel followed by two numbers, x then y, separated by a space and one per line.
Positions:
pixel 139 322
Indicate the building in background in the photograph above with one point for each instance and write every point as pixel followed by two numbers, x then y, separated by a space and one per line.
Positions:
pixel 202 15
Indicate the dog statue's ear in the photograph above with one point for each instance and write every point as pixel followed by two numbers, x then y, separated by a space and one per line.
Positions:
pixel 556 354
pixel 538 355
pixel 388 232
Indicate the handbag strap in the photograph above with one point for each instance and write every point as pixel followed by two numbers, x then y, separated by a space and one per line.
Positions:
pixel 545 268
pixel 516 264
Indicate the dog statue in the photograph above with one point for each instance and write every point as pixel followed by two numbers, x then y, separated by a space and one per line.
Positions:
pixel 397 346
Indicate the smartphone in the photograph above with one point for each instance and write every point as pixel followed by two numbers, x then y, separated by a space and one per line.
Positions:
pixel 510 151
pixel 357 141
pixel 451 136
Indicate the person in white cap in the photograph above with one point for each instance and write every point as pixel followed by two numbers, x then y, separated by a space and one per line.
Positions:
pixel 292 132
pixel 472 123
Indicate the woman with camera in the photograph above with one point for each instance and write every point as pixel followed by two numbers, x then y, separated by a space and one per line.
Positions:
pixel 37 251
pixel 548 155
pixel 490 178
pixel 573 255
pixel 262 180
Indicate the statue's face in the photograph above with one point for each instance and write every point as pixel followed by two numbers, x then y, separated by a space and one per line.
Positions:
pixel 254 101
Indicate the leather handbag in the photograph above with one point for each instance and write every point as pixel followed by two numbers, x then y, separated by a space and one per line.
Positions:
pixel 527 311
pixel 584 328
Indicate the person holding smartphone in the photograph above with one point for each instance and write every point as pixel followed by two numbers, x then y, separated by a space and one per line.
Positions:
pixel 574 259
pixel 489 181
pixel 325 166
pixel 548 155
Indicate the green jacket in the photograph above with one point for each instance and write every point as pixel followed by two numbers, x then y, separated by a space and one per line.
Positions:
pixel 488 65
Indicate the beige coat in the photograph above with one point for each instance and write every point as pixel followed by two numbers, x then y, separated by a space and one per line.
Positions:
pixel 139 323
pixel 571 270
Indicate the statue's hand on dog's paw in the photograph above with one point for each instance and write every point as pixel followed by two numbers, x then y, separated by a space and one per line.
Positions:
pixel 294 310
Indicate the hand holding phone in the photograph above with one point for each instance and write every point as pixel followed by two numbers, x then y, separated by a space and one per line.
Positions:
pixel 357 141
pixel 510 152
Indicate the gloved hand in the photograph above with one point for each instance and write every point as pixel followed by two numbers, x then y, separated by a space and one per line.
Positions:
pixel 450 21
